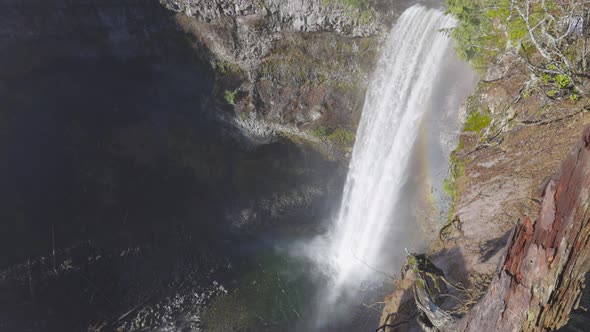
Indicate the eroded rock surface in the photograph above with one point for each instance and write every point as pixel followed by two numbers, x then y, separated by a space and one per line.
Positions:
pixel 542 274
pixel 542 270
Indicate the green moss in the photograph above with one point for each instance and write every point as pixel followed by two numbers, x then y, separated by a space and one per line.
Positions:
pixel 227 68
pixel 319 132
pixel 450 184
pixel 342 138
pixel 411 260
pixel 546 78
pixel 449 187
pixel 366 17
pixel 477 121
pixel 348 3
pixel 562 81
pixel 230 96
pixel 421 283
pixel 459 147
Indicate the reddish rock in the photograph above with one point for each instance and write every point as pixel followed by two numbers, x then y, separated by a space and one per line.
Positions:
pixel 541 277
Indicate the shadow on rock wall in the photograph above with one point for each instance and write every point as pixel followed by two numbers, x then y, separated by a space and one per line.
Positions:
pixel 116 174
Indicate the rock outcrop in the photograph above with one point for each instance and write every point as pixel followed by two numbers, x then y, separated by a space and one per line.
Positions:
pixel 541 274
pixel 293 68
pixel 300 15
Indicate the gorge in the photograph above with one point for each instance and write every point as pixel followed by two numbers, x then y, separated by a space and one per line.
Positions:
pixel 245 165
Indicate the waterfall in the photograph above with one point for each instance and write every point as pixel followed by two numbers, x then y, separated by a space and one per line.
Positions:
pixel 401 92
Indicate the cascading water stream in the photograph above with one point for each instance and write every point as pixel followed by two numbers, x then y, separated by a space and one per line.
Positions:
pixel 399 95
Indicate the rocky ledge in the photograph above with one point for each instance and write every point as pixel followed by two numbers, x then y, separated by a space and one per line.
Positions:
pixel 297 69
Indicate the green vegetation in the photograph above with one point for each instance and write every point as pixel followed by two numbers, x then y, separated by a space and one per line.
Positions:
pixel 358 4
pixel 227 68
pixel 562 81
pixel 527 32
pixel 477 121
pixel 360 9
pixel 559 85
pixel 342 138
pixel 366 16
pixel 230 96
pixel 319 132
pixel 450 184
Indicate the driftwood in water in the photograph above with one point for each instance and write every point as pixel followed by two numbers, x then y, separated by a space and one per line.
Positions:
pixel 541 277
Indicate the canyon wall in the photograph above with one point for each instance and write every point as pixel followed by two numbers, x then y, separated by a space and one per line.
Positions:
pixel 121 147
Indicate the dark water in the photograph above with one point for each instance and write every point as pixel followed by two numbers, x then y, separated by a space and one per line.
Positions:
pixel 116 178
pixel 94 158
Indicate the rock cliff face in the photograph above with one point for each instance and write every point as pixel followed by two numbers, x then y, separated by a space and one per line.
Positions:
pixel 294 68
pixel 540 277
pixel 542 274
pixel 120 149
pixel 512 146
pixel 295 79
pixel 299 15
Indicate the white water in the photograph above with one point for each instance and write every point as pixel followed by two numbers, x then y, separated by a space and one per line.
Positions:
pixel 401 92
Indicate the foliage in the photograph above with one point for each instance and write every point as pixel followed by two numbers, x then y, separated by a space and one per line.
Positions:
pixel 342 138
pixel 361 9
pixel 449 187
pixel 476 121
pixel 366 17
pixel 360 4
pixel 559 86
pixel 227 68
pixel 319 132
pixel 532 33
pixel 562 81
pixel 230 96
pixel 450 184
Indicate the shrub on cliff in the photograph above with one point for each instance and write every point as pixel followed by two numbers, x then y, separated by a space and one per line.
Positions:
pixel 230 96
pixel 342 138
pixel 545 37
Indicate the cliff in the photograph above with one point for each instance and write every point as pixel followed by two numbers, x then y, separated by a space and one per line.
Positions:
pixel 542 274
pixel 513 143
pixel 122 149
pixel 293 69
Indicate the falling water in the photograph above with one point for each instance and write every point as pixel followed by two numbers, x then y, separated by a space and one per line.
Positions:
pixel 401 92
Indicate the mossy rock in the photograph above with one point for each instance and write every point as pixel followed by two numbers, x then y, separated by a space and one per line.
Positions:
pixel 476 122
pixel 342 138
